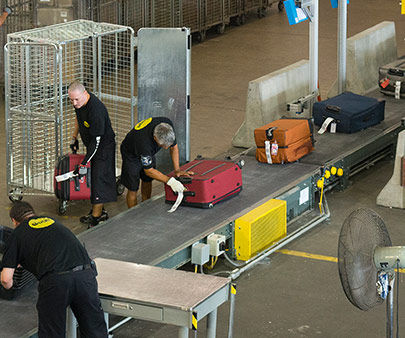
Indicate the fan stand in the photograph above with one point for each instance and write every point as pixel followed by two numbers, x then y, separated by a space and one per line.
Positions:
pixel 390 306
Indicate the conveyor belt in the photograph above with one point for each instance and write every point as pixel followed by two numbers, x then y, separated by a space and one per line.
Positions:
pixel 148 234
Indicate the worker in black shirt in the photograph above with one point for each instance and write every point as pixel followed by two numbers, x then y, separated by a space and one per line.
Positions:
pixel 138 158
pixel 94 126
pixel 66 276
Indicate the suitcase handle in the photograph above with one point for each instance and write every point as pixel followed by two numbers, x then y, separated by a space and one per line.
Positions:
pixel 396 72
pixel 186 193
pixel 333 109
pixel 184 179
pixel 269 133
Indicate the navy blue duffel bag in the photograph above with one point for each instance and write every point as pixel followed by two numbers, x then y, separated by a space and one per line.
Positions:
pixel 350 112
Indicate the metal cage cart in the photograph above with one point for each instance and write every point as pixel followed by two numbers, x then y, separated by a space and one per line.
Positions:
pixel 39 66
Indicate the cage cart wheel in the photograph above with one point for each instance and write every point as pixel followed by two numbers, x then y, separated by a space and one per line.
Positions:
pixel 15 195
pixel 120 187
pixel 280 6
pixel 200 36
pixel 261 12
pixel 220 28
pixel 237 20
pixel 62 206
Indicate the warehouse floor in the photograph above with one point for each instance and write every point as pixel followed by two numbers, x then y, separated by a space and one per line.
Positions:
pixel 296 293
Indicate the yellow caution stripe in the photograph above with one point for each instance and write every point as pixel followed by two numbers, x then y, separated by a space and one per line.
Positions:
pixel 194 321
pixel 233 289
pixel 315 256
pixel 308 255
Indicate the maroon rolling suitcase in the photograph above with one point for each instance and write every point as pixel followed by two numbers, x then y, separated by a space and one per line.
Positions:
pixel 213 182
pixel 76 188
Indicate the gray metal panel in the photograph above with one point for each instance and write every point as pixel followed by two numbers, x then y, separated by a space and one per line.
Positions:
pixel 147 233
pixel 163 83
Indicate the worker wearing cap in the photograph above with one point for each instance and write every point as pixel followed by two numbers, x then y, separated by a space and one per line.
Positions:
pixel 66 274
pixel 138 151
pixel 6 12
pixel 94 125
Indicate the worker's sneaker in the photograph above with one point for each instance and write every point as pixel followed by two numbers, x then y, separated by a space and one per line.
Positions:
pixel 95 221
pixel 87 218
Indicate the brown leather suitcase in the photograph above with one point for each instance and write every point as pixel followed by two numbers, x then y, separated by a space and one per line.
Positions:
pixel 284 140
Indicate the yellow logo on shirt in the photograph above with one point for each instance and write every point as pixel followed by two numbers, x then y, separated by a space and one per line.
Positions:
pixel 143 124
pixel 39 223
pixel 86 124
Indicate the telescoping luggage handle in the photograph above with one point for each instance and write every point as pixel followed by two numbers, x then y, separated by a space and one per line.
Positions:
pixel 396 72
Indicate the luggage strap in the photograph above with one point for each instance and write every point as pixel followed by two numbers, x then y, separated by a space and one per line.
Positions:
pixel 267 146
pixel 398 89
pixel 325 124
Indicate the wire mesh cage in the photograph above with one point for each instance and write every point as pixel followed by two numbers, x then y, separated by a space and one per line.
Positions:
pixel 39 65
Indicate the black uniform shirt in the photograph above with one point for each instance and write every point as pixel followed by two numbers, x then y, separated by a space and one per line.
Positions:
pixel 140 143
pixel 94 121
pixel 42 245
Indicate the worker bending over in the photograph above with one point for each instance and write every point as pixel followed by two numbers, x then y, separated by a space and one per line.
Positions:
pixel 138 158
pixel 65 272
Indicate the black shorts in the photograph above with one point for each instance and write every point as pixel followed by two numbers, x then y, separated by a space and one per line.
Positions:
pixel 132 171
pixel 103 182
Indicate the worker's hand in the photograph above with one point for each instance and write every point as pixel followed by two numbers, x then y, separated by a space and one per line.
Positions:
pixel 74 145
pixel 8 10
pixel 175 185
pixel 179 172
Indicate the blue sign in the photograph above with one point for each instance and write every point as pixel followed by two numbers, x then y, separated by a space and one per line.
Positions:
pixel 295 14
pixel 335 3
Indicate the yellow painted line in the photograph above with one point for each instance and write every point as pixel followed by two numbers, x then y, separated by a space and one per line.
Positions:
pixel 308 255
pixel 315 256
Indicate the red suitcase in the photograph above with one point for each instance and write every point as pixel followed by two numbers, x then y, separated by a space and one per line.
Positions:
pixel 75 188
pixel 214 181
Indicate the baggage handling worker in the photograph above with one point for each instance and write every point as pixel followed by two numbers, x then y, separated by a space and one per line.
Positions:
pixel 6 12
pixel 138 151
pixel 65 272
pixel 94 125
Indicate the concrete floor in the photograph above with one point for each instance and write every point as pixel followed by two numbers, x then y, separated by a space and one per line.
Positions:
pixel 287 296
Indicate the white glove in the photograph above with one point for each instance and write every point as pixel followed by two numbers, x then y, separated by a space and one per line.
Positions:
pixel 175 185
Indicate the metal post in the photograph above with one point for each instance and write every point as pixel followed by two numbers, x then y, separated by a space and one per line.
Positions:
pixel 342 33
pixel 313 49
pixel 71 324
pixel 231 309
pixel 183 332
pixel 212 324
pixel 390 310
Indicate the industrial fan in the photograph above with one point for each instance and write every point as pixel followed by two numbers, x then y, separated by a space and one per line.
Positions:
pixel 367 262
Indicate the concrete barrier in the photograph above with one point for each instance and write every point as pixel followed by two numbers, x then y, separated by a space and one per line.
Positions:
pixel 365 53
pixel 393 194
pixel 267 99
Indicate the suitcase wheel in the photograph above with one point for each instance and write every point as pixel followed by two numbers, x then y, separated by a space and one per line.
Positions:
pixel 62 206
pixel 210 205
pixel 119 187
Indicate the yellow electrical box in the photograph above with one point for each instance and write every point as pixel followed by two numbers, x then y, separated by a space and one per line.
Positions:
pixel 259 228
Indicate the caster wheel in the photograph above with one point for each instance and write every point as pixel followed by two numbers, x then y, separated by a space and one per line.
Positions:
pixel 237 20
pixel 200 36
pixel 120 188
pixel 62 207
pixel 280 6
pixel 15 195
pixel 221 28
pixel 243 19
pixel 210 205
pixel 261 12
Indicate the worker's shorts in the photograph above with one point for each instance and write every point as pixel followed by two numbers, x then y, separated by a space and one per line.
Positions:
pixel 103 181
pixel 132 171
